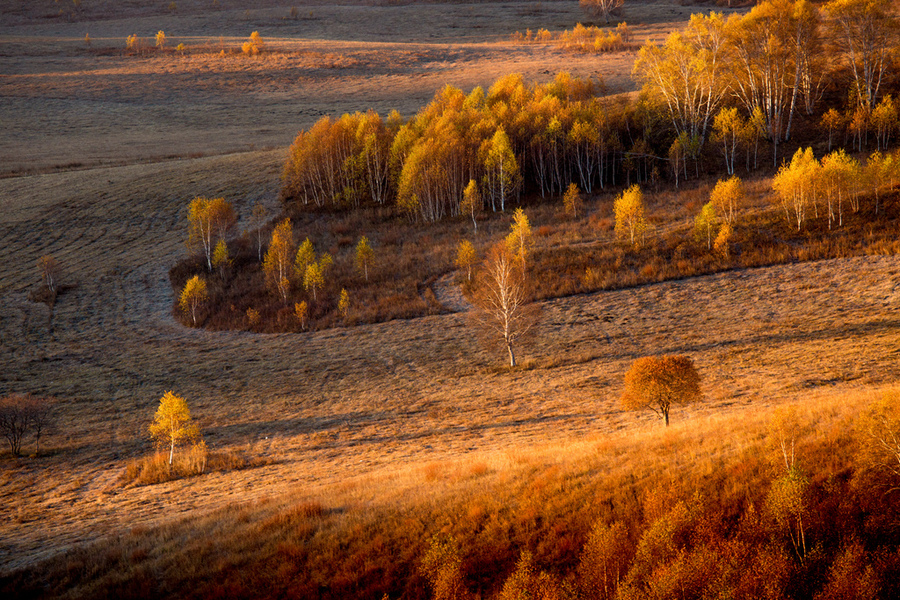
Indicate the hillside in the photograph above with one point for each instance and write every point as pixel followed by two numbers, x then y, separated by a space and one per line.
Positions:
pixel 370 440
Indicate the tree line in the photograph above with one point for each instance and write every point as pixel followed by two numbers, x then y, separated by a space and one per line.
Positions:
pixel 730 85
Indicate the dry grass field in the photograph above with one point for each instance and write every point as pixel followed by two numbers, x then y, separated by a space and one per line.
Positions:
pixel 100 153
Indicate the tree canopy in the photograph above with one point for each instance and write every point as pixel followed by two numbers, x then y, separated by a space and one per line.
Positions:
pixel 658 382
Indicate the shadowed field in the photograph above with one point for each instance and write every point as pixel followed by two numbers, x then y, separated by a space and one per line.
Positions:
pixel 346 407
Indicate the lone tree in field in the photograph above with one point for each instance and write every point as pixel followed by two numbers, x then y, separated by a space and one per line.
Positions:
pixel 364 256
pixel 49 268
pixel 21 414
pixel 503 311
pixel 172 423
pixel 601 9
pixel 193 296
pixel 658 382
pixel 15 420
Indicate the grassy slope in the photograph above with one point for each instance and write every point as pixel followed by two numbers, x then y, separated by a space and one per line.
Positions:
pixel 369 537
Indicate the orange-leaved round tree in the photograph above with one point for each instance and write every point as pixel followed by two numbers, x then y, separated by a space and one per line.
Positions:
pixel 658 382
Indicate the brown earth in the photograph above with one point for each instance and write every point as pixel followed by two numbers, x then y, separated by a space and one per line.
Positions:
pixel 345 408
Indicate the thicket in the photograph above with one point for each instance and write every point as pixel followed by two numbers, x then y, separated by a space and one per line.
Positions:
pixel 798 503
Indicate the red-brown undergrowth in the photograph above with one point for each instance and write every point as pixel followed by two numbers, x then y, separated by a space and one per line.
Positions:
pixel 698 507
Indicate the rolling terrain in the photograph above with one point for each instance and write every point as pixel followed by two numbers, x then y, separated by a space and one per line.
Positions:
pixel 101 153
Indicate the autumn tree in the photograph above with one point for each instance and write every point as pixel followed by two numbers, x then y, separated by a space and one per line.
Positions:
pixel 787 503
pixel 520 240
pixel 471 202
pixel 344 304
pixel 727 196
pixel 466 257
pixel 604 561
pixel 795 185
pixel 172 424
pixel 833 121
pixel 772 47
pixel 705 223
pixel 678 156
pixel 193 296
pixel 258 216
pixel 629 213
pixel 209 220
pixel 306 255
pixel 364 256
pixel 503 309
pixel 21 414
pixel 884 119
pixel 687 74
pixel 572 200
pixel 501 170
pixel 442 568
pixel 836 175
pixel 221 259
pixel 277 263
pixel 728 130
pixel 659 382
pixel 601 9
pixel 314 277
pixel 49 268
pixel 160 39
pixel 867 32
pixel 301 311
pixel 879 450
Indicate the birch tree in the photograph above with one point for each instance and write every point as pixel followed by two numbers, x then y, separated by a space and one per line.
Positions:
pixel 687 73
pixel 629 213
pixel 867 32
pixel 501 170
pixel 277 264
pixel 172 424
pixel 520 240
pixel 364 256
pixel 503 311
pixel 471 202
pixel 193 296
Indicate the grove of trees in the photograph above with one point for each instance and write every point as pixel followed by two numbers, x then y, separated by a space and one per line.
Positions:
pixel 723 84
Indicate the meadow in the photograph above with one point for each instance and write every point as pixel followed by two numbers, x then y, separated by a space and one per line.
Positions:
pixel 361 444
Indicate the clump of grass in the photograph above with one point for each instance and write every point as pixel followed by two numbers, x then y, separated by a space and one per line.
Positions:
pixel 197 460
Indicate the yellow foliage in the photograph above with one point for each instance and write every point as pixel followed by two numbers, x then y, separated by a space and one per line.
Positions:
pixel 629 212
pixel 466 257
pixel 172 423
pixel 192 296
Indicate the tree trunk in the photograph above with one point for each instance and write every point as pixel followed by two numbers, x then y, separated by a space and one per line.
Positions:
pixel 172 451
pixel 512 356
